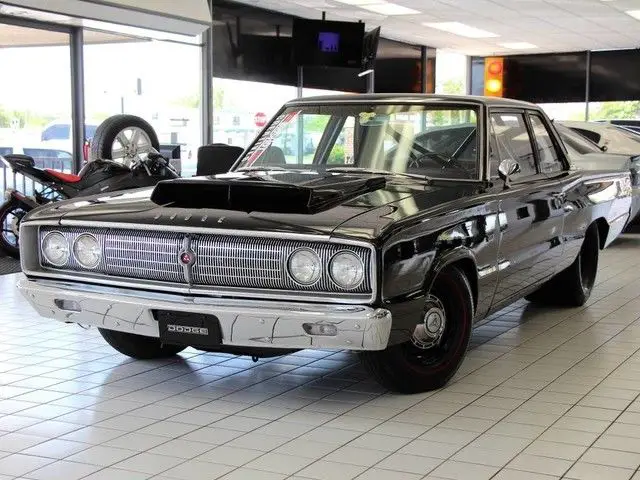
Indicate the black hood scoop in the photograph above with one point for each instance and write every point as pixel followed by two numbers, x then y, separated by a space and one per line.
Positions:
pixel 272 192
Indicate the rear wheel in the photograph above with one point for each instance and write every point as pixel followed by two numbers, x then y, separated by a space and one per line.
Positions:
pixel 439 341
pixel 572 287
pixel 11 214
pixel 139 346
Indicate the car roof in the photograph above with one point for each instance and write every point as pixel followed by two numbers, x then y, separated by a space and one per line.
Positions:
pixel 413 98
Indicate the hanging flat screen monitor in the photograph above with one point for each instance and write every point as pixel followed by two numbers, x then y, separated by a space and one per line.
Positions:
pixel 321 43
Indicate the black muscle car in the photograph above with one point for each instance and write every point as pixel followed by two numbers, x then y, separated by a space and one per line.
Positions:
pixel 413 218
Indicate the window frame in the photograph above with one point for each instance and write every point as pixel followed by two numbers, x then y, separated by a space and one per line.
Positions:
pixel 523 113
pixel 555 140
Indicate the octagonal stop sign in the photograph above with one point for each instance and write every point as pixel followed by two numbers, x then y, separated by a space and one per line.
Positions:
pixel 260 119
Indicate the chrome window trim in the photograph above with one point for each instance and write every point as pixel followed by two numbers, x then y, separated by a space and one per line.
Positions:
pixel 293 295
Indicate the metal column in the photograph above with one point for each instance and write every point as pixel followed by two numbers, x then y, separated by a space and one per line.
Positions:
pixel 587 92
pixel 206 83
pixel 77 96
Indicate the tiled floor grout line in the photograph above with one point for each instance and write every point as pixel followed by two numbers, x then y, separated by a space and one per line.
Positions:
pixel 329 391
pixel 296 386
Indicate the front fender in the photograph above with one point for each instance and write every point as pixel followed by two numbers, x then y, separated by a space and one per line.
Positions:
pixel 462 255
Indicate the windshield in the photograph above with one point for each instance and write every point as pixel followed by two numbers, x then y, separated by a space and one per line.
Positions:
pixel 434 141
pixel 575 142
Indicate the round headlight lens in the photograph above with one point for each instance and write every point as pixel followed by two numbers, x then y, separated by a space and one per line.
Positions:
pixel 55 249
pixel 87 251
pixel 346 270
pixel 304 266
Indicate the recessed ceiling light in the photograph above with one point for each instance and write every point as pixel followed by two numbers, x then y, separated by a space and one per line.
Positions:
pixel 634 13
pixel 359 2
pixel 389 8
pixel 461 29
pixel 518 45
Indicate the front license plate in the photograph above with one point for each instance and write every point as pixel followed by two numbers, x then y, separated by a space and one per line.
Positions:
pixel 193 329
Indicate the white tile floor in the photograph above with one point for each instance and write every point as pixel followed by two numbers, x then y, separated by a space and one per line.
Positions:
pixel 544 394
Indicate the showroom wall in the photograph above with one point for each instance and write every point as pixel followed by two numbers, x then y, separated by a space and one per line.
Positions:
pixel 571 85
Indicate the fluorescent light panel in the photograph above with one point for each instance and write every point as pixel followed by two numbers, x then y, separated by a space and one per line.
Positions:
pixel 385 8
pixel 518 45
pixel 634 13
pixel 461 29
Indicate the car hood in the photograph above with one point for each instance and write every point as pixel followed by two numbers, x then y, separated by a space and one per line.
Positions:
pixel 309 202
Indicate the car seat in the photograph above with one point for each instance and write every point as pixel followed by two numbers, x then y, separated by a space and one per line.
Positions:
pixel 216 158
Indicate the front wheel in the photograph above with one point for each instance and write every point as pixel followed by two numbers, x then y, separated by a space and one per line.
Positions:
pixel 11 214
pixel 438 344
pixel 139 346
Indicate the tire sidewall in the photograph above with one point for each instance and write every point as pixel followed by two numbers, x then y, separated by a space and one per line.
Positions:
pixel 5 208
pixel 418 378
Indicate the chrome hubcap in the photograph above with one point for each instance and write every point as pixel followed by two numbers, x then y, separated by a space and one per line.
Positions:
pixel 429 333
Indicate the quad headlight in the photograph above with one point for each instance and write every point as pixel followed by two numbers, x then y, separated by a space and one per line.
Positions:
pixel 55 249
pixel 304 266
pixel 87 251
pixel 346 270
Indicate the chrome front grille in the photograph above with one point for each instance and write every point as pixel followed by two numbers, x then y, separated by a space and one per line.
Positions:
pixel 221 260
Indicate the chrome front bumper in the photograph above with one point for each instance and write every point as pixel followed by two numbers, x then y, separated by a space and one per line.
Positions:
pixel 248 323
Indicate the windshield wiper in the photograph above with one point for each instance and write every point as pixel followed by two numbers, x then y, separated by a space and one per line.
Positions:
pixel 376 172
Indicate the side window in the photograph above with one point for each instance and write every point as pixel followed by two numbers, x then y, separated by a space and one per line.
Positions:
pixel 548 155
pixel 513 141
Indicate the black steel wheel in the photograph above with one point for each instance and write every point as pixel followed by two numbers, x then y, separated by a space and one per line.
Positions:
pixel 11 214
pixel 438 343
pixel 572 287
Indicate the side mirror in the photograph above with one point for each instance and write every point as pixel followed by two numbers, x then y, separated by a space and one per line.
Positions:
pixel 506 169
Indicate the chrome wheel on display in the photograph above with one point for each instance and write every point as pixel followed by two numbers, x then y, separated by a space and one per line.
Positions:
pixel 130 146
pixel 126 139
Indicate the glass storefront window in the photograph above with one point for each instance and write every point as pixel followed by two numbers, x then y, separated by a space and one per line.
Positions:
pixel 451 73
pixel 565 111
pixel 241 109
pixel 629 110
pixel 158 81
pixel 35 100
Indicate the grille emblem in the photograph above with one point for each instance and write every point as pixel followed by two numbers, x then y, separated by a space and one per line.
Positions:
pixel 187 258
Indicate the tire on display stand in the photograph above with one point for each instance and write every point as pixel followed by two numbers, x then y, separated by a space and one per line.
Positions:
pixel 123 138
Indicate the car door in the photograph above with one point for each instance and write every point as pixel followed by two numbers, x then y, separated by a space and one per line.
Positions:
pixel 564 186
pixel 530 229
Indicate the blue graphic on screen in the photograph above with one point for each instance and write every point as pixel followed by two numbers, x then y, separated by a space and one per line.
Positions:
pixel 329 42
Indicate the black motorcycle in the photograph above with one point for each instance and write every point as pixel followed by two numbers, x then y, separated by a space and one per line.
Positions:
pixel 97 176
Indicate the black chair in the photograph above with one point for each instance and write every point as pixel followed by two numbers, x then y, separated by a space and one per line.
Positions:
pixel 216 158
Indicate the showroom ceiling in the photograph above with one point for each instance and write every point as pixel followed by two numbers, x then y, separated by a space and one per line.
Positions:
pixel 486 27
